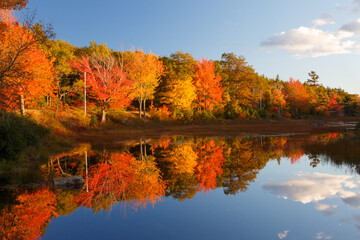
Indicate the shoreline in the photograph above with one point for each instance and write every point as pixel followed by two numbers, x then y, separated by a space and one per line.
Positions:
pixel 226 128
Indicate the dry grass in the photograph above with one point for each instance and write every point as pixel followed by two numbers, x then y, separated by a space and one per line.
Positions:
pixel 217 128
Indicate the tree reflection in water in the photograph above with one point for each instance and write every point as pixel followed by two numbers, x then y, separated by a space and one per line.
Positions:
pixel 147 171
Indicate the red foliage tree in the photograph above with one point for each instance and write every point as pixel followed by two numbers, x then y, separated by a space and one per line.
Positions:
pixel 296 155
pixel 296 96
pixel 28 218
pixel 106 80
pixel 334 104
pixel 120 177
pixel 108 181
pixel 208 87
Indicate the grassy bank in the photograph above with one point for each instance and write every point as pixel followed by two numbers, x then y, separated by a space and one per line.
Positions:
pixel 24 145
pixel 154 129
pixel 73 125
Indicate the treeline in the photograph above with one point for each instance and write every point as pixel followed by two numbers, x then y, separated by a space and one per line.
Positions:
pixel 38 72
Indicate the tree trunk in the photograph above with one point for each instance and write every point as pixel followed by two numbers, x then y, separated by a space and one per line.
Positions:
pixel 141 150
pixel 57 105
pixel 144 109
pixel 145 154
pixel 22 105
pixel 86 172
pixel 140 107
pixel 75 183
pixel 103 115
pixel 56 109
pixel 205 108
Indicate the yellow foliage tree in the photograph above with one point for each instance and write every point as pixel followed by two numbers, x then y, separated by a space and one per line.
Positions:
pixel 145 71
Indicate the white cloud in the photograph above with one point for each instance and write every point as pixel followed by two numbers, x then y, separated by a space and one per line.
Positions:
pixel 352 201
pixel 326 209
pixel 356 6
pixel 351 26
pixel 284 234
pixel 320 22
pixel 324 20
pixel 341 7
pixel 314 42
pixel 322 235
pixel 313 187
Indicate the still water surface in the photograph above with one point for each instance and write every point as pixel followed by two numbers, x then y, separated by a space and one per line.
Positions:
pixel 285 187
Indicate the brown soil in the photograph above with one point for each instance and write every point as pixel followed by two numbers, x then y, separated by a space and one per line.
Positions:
pixel 219 128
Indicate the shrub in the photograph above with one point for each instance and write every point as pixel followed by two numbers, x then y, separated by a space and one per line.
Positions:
pixel 161 114
pixel 205 115
pixel 233 112
pixel 94 120
pixel 250 113
pixel 262 113
pixel 17 134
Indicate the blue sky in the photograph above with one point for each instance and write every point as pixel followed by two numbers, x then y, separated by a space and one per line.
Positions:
pixel 289 38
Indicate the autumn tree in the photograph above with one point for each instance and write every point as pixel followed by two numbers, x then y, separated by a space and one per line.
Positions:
pixel 144 70
pixel 238 79
pixel 121 177
pixel 276 100
pixel 208 87
pixel 108 181
pixel 296 155
pixel 211 161
pixel 178 166
pixel 26 73
pixel 334 104
pixel 13 4
pixel 297 97
pixel 16 41
pixel 351 104
pixel 106 80
pixel 66 81
pixel 243 161
pixel 182 159
pixel 29 217
pixel 177 88
pixel 148 186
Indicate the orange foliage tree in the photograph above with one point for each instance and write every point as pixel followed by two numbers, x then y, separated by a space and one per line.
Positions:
pixel 26 74
pixel 296 96
pixel 211 160
pixel 106 80
pixel 28 218
pixel 13 4
pixel 277 99
pixel 208 87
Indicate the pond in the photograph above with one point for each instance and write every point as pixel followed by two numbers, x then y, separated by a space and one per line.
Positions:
pixel 265 187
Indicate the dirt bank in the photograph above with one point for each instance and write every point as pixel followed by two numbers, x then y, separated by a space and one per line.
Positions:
pixel 218 128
